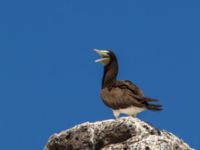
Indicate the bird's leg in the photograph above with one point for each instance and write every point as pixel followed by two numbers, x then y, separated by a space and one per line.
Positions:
pixel 116 114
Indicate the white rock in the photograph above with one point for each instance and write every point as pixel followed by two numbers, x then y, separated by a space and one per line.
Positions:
pixel 122 134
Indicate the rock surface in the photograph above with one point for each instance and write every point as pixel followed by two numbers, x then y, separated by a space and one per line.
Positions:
pixel 121 134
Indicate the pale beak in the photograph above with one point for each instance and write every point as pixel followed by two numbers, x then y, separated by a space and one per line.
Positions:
pixel 105 56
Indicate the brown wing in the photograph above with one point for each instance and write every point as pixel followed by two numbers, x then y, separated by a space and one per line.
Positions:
pixel 117 98
pixel 126 84
pixel 136 92
pixel 124 94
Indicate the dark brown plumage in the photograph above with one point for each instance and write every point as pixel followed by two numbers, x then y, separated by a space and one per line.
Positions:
pixel 121 95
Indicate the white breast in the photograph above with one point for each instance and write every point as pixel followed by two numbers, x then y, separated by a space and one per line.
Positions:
pixel 131 111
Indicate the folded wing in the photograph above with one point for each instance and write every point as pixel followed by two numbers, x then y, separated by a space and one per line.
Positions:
pixel 124 94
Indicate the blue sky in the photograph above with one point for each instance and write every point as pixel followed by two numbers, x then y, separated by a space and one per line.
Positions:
pixel 48 78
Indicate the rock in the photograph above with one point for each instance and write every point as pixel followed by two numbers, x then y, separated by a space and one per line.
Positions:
pixel 121 134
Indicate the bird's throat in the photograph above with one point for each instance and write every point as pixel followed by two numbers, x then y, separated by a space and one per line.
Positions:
pixel 110 74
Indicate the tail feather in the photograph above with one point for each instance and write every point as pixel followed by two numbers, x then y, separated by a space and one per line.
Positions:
pixel 154 107
pixel 150 99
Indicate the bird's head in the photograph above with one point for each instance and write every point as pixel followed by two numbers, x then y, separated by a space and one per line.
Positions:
pixel 106 56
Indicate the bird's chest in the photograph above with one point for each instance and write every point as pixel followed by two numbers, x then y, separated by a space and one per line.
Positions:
pixel 111 94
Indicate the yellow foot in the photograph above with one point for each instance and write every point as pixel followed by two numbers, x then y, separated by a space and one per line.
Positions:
pixel 133 115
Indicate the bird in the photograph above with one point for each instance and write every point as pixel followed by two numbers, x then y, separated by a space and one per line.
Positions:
pixel 122 96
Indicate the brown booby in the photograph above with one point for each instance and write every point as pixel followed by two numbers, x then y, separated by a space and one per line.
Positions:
pixel 122 96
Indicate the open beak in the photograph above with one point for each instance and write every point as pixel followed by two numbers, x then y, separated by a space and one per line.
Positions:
pixel 104 56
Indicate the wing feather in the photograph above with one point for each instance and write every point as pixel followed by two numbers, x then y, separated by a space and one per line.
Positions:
pixel 124 94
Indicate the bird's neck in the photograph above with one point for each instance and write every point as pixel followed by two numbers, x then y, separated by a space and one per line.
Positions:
pixel 110 74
